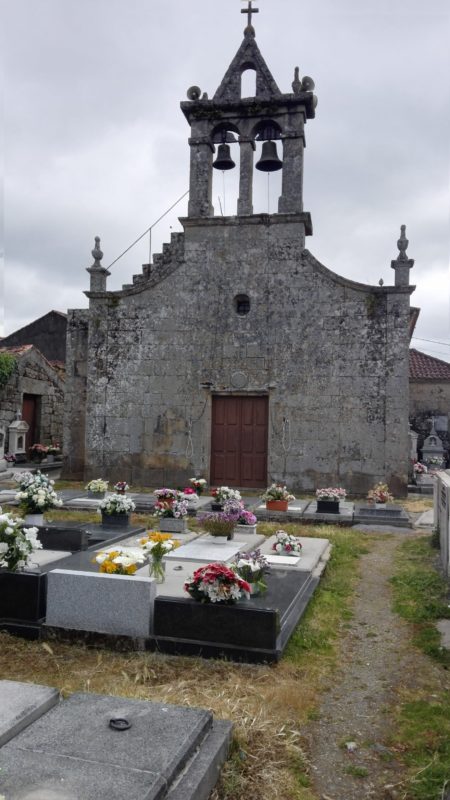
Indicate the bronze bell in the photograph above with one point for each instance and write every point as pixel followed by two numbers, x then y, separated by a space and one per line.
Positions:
pixel 269 161
pixel 223 160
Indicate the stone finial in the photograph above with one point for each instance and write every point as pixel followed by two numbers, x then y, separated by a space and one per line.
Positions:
pixel 296 83
pixel 97 254
pixel 402 263
pixel 402 244
pixel 97 272
pixel 308 84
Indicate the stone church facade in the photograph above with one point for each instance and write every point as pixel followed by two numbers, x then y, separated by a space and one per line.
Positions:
pixel 236 355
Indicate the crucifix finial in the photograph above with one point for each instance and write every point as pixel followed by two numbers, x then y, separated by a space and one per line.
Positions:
pixel 249 11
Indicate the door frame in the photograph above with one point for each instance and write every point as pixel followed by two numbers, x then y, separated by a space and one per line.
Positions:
pixel 256 393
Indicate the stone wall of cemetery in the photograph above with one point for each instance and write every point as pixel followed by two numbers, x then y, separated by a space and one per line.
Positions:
pixel 442 517
pixel 331 355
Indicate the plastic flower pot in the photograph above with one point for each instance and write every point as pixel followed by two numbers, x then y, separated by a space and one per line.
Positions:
pixel 277 505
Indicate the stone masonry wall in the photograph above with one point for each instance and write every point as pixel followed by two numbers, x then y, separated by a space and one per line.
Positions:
pixel 33 375
pixel 332 356
pixel 75 396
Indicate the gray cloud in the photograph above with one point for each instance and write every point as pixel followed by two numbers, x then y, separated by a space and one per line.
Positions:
pixel 95 142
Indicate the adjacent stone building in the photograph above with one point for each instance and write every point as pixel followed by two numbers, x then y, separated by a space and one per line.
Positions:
pixel 35 392
pixel 429 388
pixel 47 334
pixel 236 355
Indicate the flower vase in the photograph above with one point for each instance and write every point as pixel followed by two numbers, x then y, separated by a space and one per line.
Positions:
pixel 95 495
pixel 117 520
pixel 173 525
pixel 380 505
pixel 277 505
pixel 327 507
pixel 255 589
pixel 157 569
pixel 34 519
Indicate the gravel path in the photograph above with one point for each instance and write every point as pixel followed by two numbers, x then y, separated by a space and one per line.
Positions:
pixel 348 744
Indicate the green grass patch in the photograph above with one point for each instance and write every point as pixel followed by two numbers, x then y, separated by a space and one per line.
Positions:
pixel 357 772
pixel 424 732
pixel 420 595
pixel 329 609
pixel 423 721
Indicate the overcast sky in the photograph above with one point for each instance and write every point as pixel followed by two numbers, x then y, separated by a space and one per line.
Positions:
pixel 95 142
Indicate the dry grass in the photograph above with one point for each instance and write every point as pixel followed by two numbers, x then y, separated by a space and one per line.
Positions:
pixel 267 736
pixel 418 503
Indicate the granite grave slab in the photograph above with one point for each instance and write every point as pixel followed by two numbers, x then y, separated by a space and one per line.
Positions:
pixel 314 550
pixel 208 549
pixel 21 704
pixel 121 605
pixel 249 630
pixel 389 515
pixel 345 514
pixel 74 752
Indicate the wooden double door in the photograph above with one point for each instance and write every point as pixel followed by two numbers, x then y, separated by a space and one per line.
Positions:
pixel 239 439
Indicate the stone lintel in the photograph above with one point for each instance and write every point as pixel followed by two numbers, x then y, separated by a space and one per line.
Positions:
pixel 248 107
pixel 303 217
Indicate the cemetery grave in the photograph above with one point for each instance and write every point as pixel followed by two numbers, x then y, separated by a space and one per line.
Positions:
pixel 100 747
pixel 61 592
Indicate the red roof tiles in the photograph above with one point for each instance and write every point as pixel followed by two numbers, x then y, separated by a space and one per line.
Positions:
pixel 423 367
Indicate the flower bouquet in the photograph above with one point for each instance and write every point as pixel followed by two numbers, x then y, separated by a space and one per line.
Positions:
pixel 419 468
pixel 216 583
pixel 119 560
pixel 435 463
pixel 166 495
pixel 16 542
pixel 121 487
pixel 328 499
pixel 221 495
pixel 156 545
pixel 97 487
pixel 251 567
pixel 175 510
pixel 246 518
pixel 331 495
pixel 380 495
pixel 54 449
pixel 277 497
pixel 36 493
pixel 286 545
pixel 218 523
pixel 116 509
pixel 38 452
pixel 198 484
pixel 190 495
pixel 172 515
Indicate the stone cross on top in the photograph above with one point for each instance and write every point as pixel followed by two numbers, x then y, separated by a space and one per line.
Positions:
pixel 249 11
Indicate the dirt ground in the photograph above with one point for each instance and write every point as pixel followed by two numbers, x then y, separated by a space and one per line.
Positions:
pixel 349 742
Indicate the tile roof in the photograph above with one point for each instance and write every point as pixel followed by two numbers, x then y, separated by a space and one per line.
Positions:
pixel 425 367
pixel 17 350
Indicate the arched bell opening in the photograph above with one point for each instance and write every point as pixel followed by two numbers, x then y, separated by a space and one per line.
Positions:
pixel 248 82
pixel 267 175
pixel 226 164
